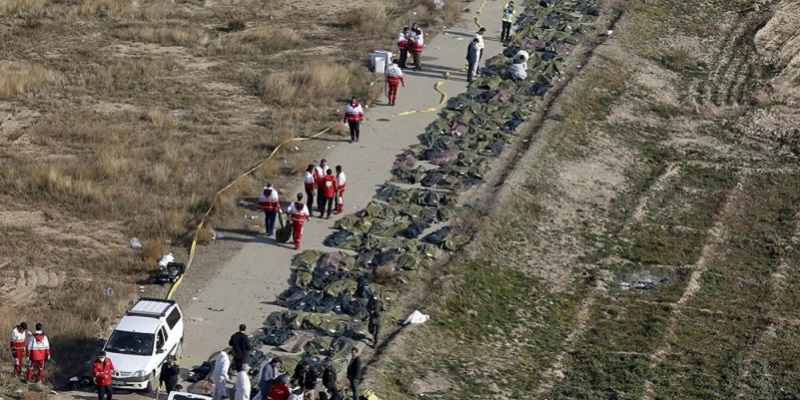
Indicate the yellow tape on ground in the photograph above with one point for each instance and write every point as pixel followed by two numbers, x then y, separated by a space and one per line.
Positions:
pixel 193 247
pixel 478 14
pixel 442 99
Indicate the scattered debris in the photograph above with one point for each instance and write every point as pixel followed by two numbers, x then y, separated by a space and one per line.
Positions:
pixel 135 243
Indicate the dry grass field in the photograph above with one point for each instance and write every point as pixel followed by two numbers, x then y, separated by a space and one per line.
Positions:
pixel 122 118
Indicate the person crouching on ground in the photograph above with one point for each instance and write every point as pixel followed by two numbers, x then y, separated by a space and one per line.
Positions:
pixel 354 116
pixel 298 214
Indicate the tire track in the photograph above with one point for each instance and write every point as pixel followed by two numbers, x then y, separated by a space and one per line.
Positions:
pixel 716 238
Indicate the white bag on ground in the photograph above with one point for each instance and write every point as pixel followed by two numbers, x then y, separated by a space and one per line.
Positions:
pixel 416 318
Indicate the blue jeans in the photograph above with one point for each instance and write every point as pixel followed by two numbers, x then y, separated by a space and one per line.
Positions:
pixel 269 221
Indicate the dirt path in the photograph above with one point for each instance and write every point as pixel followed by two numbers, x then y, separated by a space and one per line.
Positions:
pixel 242 290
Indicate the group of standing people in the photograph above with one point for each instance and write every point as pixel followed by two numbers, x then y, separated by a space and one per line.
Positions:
pixel 273 383
pixel 31 348
pixel 319 181
pixel 411 40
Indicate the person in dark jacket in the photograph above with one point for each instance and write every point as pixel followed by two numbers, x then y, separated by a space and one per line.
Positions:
pixel 354 371
pixel 169 374
pixel 306 376
pixel 329 379
pixel 375 309
pixel 241 347
pixel 473 55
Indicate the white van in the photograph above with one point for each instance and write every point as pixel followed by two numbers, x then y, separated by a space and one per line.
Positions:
pixel 150 331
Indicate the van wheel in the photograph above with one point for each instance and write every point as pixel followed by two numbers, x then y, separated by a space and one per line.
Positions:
pixel 152 383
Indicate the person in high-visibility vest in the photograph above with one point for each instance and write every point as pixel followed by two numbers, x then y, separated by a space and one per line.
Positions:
pixel 341 181
pixel 508 18
pixel 18 337
pixel 402 44
pixel 330 188
pixel 298 215
pixel 394 78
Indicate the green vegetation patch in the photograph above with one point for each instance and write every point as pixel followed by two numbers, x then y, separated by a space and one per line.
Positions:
pixel 611 359
pixel 771 372
pixel 703 353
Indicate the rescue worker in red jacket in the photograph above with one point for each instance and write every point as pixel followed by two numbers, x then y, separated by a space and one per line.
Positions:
pixel 394 77
pixel 18 337
pixel 354 115
pixel 319 176
pixel 38 352
pixel 402 44
pixel 310 183
pixel 341 182
pixel 268 201
pixel 417 44
pixel 103 369
pixel 298 214
pixel 330 189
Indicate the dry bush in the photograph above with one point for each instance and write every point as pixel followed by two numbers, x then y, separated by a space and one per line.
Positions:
pixel 166 35
pixel 205 235
pixel 102 9
pixel 386 275
pixel 152 251
pixel 678 58
pixel 311 84
pixel 123 75
pixel 300 163
pixel 10 7
pixel 369 19
pixel 164 122
pixel 263 40
pixel 120 9
pixel 340 129
pixel 236 25
pixel 17 78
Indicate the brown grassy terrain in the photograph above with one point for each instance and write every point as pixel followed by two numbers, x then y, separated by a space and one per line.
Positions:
pixel 121 119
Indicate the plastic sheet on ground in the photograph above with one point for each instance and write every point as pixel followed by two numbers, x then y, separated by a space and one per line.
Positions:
pixel 416 318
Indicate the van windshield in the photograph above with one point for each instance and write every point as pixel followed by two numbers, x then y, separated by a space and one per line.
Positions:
pixel 137 343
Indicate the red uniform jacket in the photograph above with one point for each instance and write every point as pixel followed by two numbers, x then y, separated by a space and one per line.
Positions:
pixel 354 113
pixel 102 371
pixel 402 41
pixel 38 347
pixel 269 200
pixel 298 213
pixel 329 187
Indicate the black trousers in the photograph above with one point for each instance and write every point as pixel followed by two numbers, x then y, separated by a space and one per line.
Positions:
pixel 505 34
pixel 236 363
pixel 320 201
pixel 104 391
pixel 403 58
pixel 355 131
pixel 326 202
pixel 310 197
pixel 354 388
